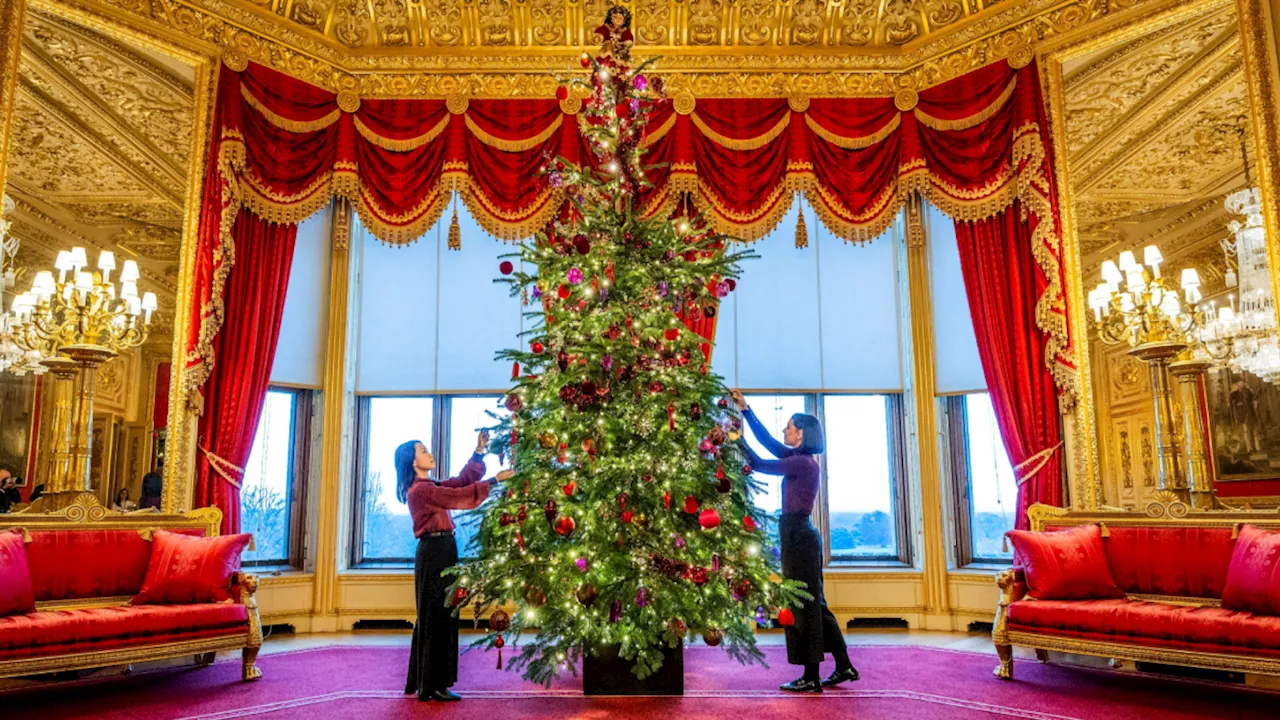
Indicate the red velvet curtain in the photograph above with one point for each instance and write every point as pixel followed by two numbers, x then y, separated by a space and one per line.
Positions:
pixel 245 349
pixel 1004 284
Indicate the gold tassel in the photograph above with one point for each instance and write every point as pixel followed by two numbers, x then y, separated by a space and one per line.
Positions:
pixel 455 231
pixel 802 233
pixel 1004 544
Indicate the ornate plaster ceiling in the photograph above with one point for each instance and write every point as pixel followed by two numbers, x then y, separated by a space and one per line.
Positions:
pixel 448 25
pixel 100 151
pixel 1154 144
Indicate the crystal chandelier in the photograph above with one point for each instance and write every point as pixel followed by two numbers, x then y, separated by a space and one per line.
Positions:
pixel 13 359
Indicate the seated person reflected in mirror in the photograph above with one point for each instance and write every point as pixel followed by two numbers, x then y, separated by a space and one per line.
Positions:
pixel 122 503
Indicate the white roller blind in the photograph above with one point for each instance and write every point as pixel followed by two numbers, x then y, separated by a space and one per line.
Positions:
pixel 823 317
pixel 958 367
pixel 299 358
pixel 398 301
pixel 431 319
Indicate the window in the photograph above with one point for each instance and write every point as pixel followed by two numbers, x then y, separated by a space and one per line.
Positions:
pixel 775 412
pixel 384 531
pixel 272 492
pixel 985 489
pixel 865 508
pixel 467 415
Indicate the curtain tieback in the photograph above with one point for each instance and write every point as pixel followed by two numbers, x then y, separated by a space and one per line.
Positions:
pixel 223 467
pixel 1036 462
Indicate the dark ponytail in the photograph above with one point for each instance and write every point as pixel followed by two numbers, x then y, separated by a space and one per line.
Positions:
pixel 405 474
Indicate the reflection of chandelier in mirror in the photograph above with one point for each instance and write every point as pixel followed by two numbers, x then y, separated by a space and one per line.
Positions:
pixel 13 359
pixel 1243 335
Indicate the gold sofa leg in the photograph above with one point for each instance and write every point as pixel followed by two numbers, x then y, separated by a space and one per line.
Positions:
pixel 1005 670
pixel 250 671
pixel 1010 592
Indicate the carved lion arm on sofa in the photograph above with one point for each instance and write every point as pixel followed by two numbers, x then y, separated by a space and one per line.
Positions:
pixel 1013 587
pixel 244 587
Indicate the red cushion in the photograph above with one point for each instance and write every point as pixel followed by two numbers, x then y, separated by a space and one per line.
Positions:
pixel 55 632
pixel 1173 560
pixel 190 569
pixel 1066 564
pixel 16 597
pixel 1208 629
pixel 1253 579
pixel 73 564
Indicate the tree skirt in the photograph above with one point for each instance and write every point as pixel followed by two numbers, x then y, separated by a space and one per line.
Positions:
pixel 897 683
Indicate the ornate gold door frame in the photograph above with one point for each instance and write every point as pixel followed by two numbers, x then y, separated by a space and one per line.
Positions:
pixel 1258 43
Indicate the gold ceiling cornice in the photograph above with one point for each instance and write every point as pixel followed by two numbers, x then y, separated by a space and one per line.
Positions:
pixel 950 38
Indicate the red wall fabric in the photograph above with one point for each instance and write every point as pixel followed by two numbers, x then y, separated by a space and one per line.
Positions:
pixel 1004 285
pixel 245 349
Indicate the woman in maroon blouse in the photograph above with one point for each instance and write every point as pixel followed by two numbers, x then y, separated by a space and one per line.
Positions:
pixel 433 658
pixel 816 630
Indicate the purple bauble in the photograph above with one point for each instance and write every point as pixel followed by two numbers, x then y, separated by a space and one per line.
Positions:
pixel 606 362
pixel 722 289
pixel 642 597
pixel 583 564
pixel 555 180
pixel 574 276
pixel 615 611
pixel 662 289
pixel 762 616
pixel 640 82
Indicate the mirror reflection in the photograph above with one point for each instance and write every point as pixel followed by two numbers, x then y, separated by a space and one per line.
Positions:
pixel 1174 261
pixel 99 162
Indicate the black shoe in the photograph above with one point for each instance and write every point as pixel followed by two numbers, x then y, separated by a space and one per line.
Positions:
pixel 439 696
pixel 802 686
pixel 848 674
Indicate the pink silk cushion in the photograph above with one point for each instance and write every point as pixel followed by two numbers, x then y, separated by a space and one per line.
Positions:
pixel 1253 579
pixel 16 597
pixel 187 570
pixel 88 562
pixel 1066 564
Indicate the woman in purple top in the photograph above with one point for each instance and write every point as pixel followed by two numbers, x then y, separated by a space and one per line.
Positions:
pixel 816 631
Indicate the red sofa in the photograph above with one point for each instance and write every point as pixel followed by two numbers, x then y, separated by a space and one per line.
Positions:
pixel 1172 566
pixel 85 572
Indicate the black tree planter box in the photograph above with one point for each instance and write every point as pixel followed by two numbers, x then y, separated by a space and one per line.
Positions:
pixel 604 673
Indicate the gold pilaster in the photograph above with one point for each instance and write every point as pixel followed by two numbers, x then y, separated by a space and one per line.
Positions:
pixel 923 387
pixel 1158 355
pixel 337 413
pixel 12 13
pixel 62 374
pixel 1190 377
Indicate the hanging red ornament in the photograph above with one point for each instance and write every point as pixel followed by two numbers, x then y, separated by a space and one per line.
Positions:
pixel 515 371
pixel 459 597
pixel 748 523
pixel 709 519
pixel 585 60
pixel 505 267
pixel 626 517
pixel 499 643
pixel 733 284
pixel 569 488
pixel 786 618
pixel 513 401
pixel 523 513
pixel 690 504
pixel 562 93
pixel 712 637
pixel 505 520
pixel 746 469
pixel 671 334
pixel 587 594
pixel 549 511
pixel 537 347
pixel 565 526
pixel 719 471
pixel 561 456
pixel 563 292
pixel 666 500
pixel 535 596
pixel 671 416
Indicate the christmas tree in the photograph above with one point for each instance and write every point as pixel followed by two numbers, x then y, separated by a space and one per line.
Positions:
pixel 629 522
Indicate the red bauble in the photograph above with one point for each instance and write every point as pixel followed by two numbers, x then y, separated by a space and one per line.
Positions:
pixel 563 292
pixel 499 642
pixel 459 597
pixel 623 110
pixel 569 489
pixel 505 267
pixel 690 504
pixel 499 621
pixel 709 519
pixel 586 61
pixel 786 618
pixel 666 500
pixel 748 523
pixel 711 637
pixel 733 284
pixel 537 347
pixel 565 525
pixel 562 93
pixel 746 469
pixel 672 333
pixel 626 517
pixel 505 520
pixel 582 245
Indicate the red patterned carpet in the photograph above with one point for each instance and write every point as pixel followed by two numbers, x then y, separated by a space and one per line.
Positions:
pixel 897 683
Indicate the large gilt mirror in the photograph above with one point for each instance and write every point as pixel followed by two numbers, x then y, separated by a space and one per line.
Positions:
pixel 1163 191
pixel 100 159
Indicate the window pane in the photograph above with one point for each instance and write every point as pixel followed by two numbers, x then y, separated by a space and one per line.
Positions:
pixel 993 497
pixel 267 489
pixel 388 530
pixel 859 482
pixel 775 412
pixel 466 416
